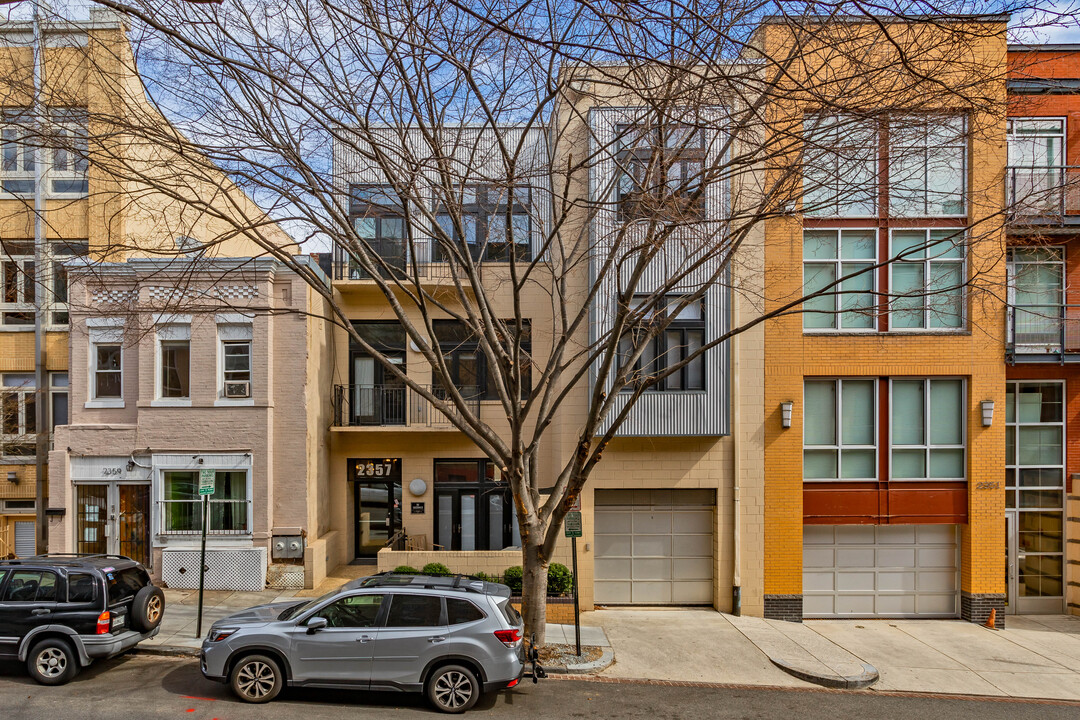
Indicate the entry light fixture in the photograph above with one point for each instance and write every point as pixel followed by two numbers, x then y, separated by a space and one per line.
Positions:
pixel 785 413
pixel 988 412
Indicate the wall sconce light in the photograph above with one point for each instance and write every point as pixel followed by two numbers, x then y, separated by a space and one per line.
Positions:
pixel 988 412
pixel 13 477
pixel 785 413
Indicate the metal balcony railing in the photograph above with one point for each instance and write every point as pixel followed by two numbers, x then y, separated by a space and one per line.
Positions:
pixel 1047 196
pixel 393 405
pixel 1046 330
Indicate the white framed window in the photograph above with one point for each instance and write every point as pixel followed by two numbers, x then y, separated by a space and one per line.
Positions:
pixel 173 364
pixel 17 164
pixel 105 363
pixel 829 255
pixel 928 166
pixel 840 429
pixel 18 415
pixel 18 275
pixel 229 505
pixel 926 280
pixel 69 149
pixel 929 427
pixel 234 383
pixel 1037 142
pixel 840 166
pixel 64 146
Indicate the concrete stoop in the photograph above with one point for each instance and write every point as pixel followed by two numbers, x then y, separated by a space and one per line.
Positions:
pixel 804 654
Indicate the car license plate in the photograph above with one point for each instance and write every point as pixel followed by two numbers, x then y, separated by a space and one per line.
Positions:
pixel 119 621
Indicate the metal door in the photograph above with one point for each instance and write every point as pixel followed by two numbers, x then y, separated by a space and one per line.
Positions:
pixel 24 538
pixel 113 518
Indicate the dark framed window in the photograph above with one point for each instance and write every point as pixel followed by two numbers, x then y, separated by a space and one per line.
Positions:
pixel 377 397
pixel 473 507
pixel 683 336
pixel 353 611
pixel 81 587
pixel 466 362
pixel 415 611
pixel 659 171
pixel 379 221
pixel 495 223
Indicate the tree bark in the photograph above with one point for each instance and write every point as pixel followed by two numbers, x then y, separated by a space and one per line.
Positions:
pixel 534 589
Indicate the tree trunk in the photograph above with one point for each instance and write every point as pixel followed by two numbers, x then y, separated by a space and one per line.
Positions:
pixel 534 590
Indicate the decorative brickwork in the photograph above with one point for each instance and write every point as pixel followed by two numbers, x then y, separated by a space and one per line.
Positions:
pixel 784 607
pixel 976 608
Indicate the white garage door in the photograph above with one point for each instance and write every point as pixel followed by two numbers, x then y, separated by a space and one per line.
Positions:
pixel 24 538
pixel 881 571
pixel 654 547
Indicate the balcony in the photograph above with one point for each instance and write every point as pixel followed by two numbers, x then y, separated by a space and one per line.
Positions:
pixel 1043 197
pixel 1043 333
pixel 393 406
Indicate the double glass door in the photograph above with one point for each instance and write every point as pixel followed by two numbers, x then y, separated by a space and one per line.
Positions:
pixel 113 518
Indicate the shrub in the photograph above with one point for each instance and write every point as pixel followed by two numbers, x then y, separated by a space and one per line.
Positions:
pixel 482 576
pixel 560 580
pixel 406 570
pixel 435 568
pixel 512 577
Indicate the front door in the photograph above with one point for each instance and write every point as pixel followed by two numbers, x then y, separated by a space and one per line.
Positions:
pixel 376 502
pixel 113 518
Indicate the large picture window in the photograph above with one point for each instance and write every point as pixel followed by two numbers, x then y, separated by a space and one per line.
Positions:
pixel 840 158
pixel 928 166
pixel 828 256
pixel 181 505
pixel 660 171
pixel 473 507
pixel 683 336
pixel 840 429
pixel 928 429
pixel 927 280
pixel 484 228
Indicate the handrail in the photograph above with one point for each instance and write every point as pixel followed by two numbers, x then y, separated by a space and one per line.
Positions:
pixel 1043 195
pixel 389 405
pixel 1043 329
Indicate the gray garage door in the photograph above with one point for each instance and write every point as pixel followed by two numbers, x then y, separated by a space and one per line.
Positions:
pixel 881 571
pixel 654 547
pixel 24 538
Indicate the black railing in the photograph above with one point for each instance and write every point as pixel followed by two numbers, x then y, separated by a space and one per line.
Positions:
pixel 1043 196
pixel 394 405
pixel 1044 329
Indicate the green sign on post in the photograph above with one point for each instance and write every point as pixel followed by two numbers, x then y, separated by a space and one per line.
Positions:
pixel 206 481
pixel 572 525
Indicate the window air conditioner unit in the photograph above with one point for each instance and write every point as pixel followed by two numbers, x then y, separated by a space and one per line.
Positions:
pixel 238 389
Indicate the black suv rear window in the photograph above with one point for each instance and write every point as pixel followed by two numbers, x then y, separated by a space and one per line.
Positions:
pixel 123 584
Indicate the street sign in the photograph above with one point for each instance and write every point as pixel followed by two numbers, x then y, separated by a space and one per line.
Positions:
pixel 572 525
pixel 206 481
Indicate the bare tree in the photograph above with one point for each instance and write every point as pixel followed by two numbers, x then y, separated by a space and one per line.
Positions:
pixel 623 158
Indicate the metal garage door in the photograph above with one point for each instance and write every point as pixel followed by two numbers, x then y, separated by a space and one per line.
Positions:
pixel 654 547
pixel 881 571
pixel 24 538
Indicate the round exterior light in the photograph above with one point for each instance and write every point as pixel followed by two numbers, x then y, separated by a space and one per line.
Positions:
pixel 418 486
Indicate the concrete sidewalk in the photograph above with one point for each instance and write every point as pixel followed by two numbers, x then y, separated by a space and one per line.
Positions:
pixel 1035 657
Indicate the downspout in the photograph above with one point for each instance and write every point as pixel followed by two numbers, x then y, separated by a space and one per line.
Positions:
pixel 736 524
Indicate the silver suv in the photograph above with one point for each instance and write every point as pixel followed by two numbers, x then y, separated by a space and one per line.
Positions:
pixel 453 638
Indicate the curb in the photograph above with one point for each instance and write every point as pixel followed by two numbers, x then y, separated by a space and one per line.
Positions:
pixel 607 657
pixel 868 677
pixel 168 651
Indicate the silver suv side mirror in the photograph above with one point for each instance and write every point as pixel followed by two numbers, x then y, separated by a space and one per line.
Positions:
pixel 316 624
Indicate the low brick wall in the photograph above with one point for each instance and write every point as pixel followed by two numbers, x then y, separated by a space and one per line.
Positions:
pixel 560 610
pixel 492 562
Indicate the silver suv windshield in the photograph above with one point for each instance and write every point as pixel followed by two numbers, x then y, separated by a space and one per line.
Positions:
pixel 294 610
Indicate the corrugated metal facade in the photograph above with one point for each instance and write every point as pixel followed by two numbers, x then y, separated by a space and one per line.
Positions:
pixel 666 414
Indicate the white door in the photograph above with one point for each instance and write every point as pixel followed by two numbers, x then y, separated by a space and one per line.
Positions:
pixel 881 571
pixel 24 538
pixel 654 547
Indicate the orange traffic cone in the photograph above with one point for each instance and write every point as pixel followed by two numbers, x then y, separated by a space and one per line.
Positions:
pixel 991 622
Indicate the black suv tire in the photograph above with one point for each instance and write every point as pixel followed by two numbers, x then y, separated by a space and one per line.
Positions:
pixel 453 689
pixel 52 661
pixel 256 679
pixel 147 608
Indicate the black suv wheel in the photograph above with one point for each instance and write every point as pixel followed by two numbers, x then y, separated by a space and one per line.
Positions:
pixel 52 662
pixel 256 679
pixel 453 689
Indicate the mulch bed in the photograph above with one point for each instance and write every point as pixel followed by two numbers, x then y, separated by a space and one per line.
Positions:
pixel 564 654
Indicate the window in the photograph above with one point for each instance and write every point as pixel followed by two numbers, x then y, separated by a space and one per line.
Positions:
pixel 60 252
pixel 473 507
pixel 459 612
pixel 126 583
pixel 928 166
pixel 828 256
pixel 1037 297
pixel 379 222
pixel 17 273
pixel 928 429
pixel 59 393
pixel 377 396
pixel 81 587
pixel 467 363
pixel 659 172
pixel 355 611
pixel 67 176
pixel 182 506
pixel 18 410
pixel 106 370
pixel 414 611
pixel 683 336
pixel 17 152
pixel 927 279
pixel 66 145
pixel 236 356
pixel 1036 142
pixel 840 158
pixel 175 368
pixel 840 429
pixel 31 586
pixel 483 224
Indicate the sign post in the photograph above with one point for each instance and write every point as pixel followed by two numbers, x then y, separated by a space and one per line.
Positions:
pixel 572 530
pixel 206 489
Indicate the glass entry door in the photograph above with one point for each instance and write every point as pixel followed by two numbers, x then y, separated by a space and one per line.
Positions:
pixel 113 518
pixel 378 515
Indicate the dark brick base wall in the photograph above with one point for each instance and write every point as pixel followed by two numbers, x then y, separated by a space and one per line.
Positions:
pixel 784 607
pixel 976 608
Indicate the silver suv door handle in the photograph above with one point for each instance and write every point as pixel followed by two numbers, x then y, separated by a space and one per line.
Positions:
pixel 436 638
pixel 364 639
pixel 40 611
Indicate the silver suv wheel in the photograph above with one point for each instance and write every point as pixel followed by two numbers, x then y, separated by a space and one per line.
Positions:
pixel 453 689
pixel 256 679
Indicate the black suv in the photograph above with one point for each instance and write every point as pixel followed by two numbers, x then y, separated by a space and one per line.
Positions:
pixel 59 612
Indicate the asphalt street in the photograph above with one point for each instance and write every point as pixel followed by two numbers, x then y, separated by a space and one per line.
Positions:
pixel 141 687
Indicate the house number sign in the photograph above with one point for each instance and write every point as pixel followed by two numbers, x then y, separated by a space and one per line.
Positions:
pixel 375 468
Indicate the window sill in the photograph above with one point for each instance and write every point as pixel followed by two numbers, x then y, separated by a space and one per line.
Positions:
pixel 171 402
pixel 17 460
pixel 16 328
pixel 886 333
pixel 234 402
pixel 103 404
